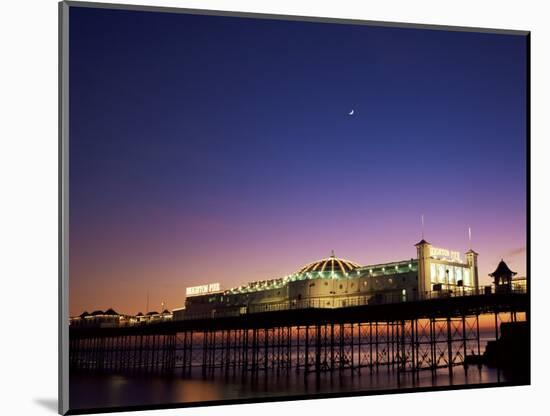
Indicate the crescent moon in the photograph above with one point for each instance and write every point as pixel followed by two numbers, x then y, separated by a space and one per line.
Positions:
pixel 351 112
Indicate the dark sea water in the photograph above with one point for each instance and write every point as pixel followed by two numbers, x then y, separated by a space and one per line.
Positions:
pixel 95 390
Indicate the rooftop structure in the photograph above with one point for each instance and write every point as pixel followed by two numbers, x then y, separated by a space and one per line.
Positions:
pixel 331 265
pixel 333 282
pixel 503 277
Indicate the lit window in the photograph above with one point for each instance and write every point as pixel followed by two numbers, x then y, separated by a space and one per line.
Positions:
pixel 433 273
pixel 441 273
pixel 458 273
pixel 451 273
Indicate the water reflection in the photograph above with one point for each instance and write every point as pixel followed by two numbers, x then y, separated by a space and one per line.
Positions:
pixel 95 390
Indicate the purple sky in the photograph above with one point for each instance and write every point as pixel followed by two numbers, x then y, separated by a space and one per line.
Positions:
pixel 216 149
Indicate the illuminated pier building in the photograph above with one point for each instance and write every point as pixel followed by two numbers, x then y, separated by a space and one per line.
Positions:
pixel 335 282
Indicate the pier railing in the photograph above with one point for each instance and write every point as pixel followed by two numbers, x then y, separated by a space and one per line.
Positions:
pixel 332 303
pixel 327 303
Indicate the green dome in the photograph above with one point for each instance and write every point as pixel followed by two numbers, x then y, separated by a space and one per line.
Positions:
pixel 330 264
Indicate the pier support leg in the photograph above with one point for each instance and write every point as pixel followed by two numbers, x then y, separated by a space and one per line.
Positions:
pixel 449 346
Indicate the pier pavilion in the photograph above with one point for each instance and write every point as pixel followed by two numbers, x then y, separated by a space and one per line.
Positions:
pixel 335 282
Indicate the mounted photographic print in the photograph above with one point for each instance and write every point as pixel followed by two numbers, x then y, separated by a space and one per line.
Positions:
pixel 263 208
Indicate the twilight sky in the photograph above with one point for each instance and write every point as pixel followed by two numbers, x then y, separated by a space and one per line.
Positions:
pixel 216 149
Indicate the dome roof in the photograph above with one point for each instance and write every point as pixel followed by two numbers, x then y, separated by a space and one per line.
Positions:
pixel 110 311
pixel 330 264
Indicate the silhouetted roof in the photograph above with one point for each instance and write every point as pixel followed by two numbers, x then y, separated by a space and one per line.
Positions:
pixel 152 313
pixel 84 314
pixel 110 311
pixel 139 314
pixel 98 312
pixel 166 311
pixel 421 242
pixel 502 270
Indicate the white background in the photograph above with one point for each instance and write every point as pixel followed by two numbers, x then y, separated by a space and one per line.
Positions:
pixel 28 203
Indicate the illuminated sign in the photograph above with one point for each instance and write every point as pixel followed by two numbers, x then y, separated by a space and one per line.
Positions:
pixel 202 289
pixel 443 252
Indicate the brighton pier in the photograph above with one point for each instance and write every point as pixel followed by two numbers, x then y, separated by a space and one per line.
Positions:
pixel 331 315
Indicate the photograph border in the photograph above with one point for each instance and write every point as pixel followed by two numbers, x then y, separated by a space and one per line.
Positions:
pixel 63 199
